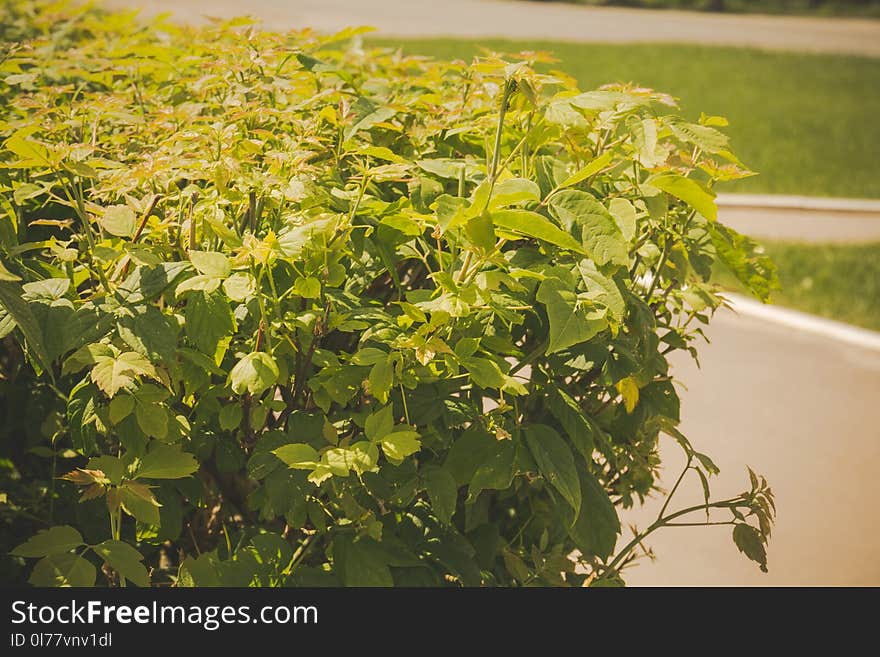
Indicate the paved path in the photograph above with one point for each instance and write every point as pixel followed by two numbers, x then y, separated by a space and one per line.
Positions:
pixel 534 20
pixel 800 226
pixel 803 411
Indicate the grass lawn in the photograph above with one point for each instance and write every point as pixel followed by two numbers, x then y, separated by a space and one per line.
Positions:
pixel 841 282
pixel 808 123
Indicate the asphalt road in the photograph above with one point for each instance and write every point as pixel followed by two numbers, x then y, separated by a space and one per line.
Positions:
pixel 799 408
pixel 803 411
pixel 798 225
pixel 539 20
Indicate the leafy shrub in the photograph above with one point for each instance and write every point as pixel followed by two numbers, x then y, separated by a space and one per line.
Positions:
pixel 282 311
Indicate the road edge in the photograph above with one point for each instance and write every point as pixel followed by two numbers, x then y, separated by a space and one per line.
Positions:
pixel 839 331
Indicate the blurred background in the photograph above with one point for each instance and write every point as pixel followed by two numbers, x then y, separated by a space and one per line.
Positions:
pixel 793 389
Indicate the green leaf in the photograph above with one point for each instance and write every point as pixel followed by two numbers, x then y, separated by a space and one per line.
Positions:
pixel 443 492
pixel 400 443
pixel 360 563
pixel 624 214
pixel 362 457
pixel 298 456
pixel 209 322
pixel 570 323
pixel 379 115
pixel 294 239
pixel 11 299
pixel 6 275
pixel 125 560
pixel 150 332
pixel 595 529
pixel 594 167
pixel 749 542
pixel 120 408
pixel 379 423
pixel 369 356
pixel 579 428
pixel 230 416
pixel 240 286
pixel 112 373
pixel 517 567
pixel 602 239
pixel 555 462
pixel 152 419
pixel 468 451
pixel 63 570
pixel 55 540
pixel 532 224
pixel 496 471
pixel 484 372
pixel 166 462
pixel 210 263
pixel 146 282
pixel 514 191
pixel 689 191
pixel 706 138
pixel 381 378
pixel 602 290
pixel 138 502
pixel 254 373
pixel 629 390
pixel 481 231
pixel 307 288
pixel 441 168
pixel 81 417
pixel 745 259
pixel 644 139
pixel 112 467
pixel 31 153
pixel 119 220
pixel 49 289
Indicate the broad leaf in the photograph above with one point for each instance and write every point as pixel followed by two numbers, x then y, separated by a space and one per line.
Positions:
pixel 602 239
pixel 555 462
pixel 496 471
pixel 298 456
pixel 63 570
pixel 688 191
pixel 254 373
pixel 532 224
pixel 749 542
pixel 54 540
pixel 570 322
pixel 166 462
pixel 441 488
pixel 595 529
pixel 125 560
pixel 112 373
pixel 594 167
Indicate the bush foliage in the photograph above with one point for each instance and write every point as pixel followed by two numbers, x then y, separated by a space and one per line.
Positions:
pixel 282 311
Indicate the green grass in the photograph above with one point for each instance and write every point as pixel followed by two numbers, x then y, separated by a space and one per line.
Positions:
pixel 807 122
pixel 837 281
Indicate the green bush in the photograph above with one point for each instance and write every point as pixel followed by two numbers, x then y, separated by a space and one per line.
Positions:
pixel 280 311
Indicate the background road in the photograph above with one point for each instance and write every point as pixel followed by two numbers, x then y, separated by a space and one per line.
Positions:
pixel 513 20
pixel 799 408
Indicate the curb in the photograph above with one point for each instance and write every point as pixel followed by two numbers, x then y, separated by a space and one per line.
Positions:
pixel 803 203
pixel 800 321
